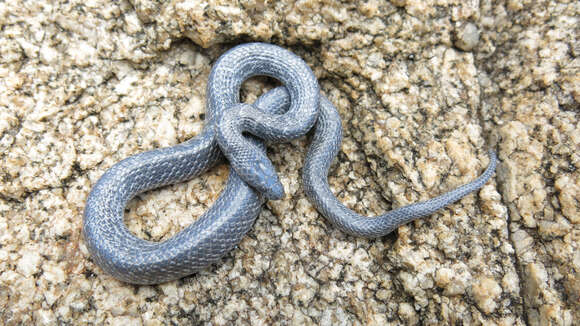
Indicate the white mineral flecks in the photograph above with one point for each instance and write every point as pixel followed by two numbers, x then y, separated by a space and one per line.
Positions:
pixel 467 37
pixel 486 292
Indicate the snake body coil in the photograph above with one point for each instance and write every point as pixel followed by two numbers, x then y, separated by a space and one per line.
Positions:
pixel 281 114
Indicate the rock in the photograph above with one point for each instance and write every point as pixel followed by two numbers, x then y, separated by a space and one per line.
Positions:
pixel 29 263
pixel 486 292
pixel 423 91
pixel 467 37
pixel 408 314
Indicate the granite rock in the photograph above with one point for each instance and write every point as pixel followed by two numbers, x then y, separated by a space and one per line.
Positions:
pixel 424 88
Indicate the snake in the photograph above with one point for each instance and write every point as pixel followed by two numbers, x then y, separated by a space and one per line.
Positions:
pixel 235 131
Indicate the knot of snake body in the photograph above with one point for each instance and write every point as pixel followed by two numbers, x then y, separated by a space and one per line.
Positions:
pixel 282 114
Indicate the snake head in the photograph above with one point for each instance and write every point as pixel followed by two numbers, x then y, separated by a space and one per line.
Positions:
pixel 265 180
pixel 246 155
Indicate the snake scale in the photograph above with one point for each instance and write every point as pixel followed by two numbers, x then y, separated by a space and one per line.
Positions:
pixel 236 130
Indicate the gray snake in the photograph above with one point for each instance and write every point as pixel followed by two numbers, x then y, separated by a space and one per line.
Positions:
pixel 235 130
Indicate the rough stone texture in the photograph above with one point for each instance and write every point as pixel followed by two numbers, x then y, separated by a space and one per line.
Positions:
pixel 531 86
pixel 87 83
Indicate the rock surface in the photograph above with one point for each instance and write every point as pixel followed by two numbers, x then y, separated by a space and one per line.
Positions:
pixel 423 88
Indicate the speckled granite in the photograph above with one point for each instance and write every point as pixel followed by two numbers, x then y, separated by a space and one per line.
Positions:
pixel 423 89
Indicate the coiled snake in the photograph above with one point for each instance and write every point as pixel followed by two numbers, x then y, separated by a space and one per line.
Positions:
pixel 282 114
